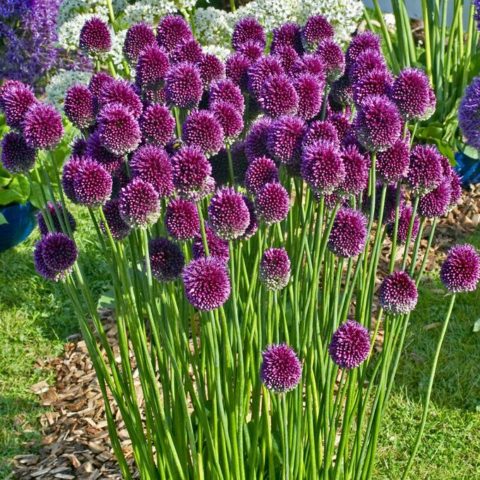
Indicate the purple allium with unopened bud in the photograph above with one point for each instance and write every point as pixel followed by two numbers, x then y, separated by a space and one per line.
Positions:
pixel 248 29
pixel 285 139
pixel 173 30
pixel 320 131
pixel 356 171
pixel 157 124
pixel 188 51
pixel 251 50
pixel 95 36
pixel 288 57
pixel 272 203
pixel 469 114
pixel 262 69
pixel 322 167
pixel 460 272
pixel 365 63
pixel 376 82
pixel 15 102
pixel 152 67
pixel 206 283
pixel 139 203
pixel 277 96
pixel 392 164
pixel 228 215
pixel 410 92
pixel 281 369
pixel 361 42
pixel 436 202
pixel 183 85
pixel 166 259
pixel 425 171
pixel 152 164
pixel 217 247
pixel 349 233
pixel 117 226
pixel 274 270
pixel 98 82
pixel 211 69
pixel 310 96
pixel 181 219
pixel 262 170
pixel 92 184
pixel 333 59
pixel 237 66
pixel 118 129
pixel 230 119
pixel 404 221
pixel 57 222
pixel 121 92
pixel 79 106
pixel 227 91
pixel 378 124
pixel 54 256
pixel 316 30
pixel 256 142
pixel 287 34
pixel 350 345
pixel 398 293
pixel 42 126
pixel 191 170
pixel 17 156
pixel 139 36
pixel 203 130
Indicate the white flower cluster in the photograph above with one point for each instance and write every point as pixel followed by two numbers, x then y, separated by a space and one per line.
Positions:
pixel 61 82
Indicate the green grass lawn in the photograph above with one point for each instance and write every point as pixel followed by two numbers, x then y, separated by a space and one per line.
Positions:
pixel 35 319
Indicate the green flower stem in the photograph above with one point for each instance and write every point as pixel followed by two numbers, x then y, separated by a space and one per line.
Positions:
pixel 410 231
pixel 427 251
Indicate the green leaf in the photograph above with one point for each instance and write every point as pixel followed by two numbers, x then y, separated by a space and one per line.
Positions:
pixel 18 191
pixel 471 152
pixel 3 220
pixel 476 326
pixel 107 300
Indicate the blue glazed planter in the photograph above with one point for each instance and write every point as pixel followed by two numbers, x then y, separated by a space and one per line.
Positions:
pixel 21 221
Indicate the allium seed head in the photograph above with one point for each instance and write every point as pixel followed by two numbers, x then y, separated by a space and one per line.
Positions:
pixel 230 119
pixel 211 69
pixel 404 221
pixel 320 131
pixel 469 114
pixel 375 82
pixel 248 29
pixel 202 129
pixel 157 124
pixel 16 99
pixel 256 140
pixel 261 170
pixel 152 67
pixel 365 63
pixel 217 247
pixel 251 50
pixel 333 59
pixel 392 164
pixel 55 255
pixel 117 226
pixel 287 34
pixel 92 184
pixel 425 171
pixel 356 171
pixel 310 96
pixel 237 66
pixel 227 91
pixel 436 203
pixel 285 139
pixel 277 96
pixel 262 69
pixel 361 42
pixel 98 82
pixel 121 92
pixel 316 30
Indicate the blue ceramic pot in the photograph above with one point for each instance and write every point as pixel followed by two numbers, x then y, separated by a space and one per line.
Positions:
pixel 21 221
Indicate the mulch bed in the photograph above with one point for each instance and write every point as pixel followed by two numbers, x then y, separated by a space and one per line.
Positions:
pixel 75 443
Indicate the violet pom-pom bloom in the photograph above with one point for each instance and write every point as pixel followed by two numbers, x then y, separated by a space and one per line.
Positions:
pixel 376 82
pixel 191 171
pixel 17 156
pixel 57 222
pixel 392 164
pixel 173 30
pixel 227 91
pixel 95 36
pixel 139 203
pixel 287 34
pixel 70 171
pixel 98 82
pixel 341 122
pixel 333 59
pixel 425 170
pixel 152 67
pixel 203 130
pixel 8 86
pixel 217 247
pixel 40 265
pixel 398 294
pixel 349 233
pixel 320 130
pixel 281 369
pixel 404 221
pixel 251 50
pixel 230 119
pixel 285 139
pixel 253 225
pixel 264 68
pixel 356 171
pixel 256 143
pixel 92 184
pixel 55 255
pixel 79 106
pixel 455 189
pixel 117 226
pixel 16 100
pixel 322 167
pixel 248 29
pixel 310 96
pixel 277 96
pixel 460 271
pixel 364 41
pixel 228 215
pixel 275 269
pixel 96 151
pixel 288 57
pixel 378 124
pixel 139 36
pixel 262 170
pixel 166 259
pixel 206 283
pixel 237 66
pixel 350 345
pixel 118 129
pixel 211 68
pixel 157 124
pixel 469 114
pixel 152 164
pixel 316 29
pixel 312 64
pixel 183 85
pixel 365 63
pixel 436 202
pixel 181 219
pixel 42 126
pixel 272 203
pixel 187 51
pixel 121 92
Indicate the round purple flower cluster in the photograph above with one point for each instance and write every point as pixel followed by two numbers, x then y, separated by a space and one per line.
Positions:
pixel 398 294
pixel 460 271
pixel 349 233
pixel 181 219
pixel 275 269
pixel 281 369
pixel 166 259
pixel 54 256
pixel 350 345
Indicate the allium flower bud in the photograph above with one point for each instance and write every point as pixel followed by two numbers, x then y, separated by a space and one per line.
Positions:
pixel 211 69
pixel 117 226
pixel 42 127
pixel 469 114
pixel 227 91
pixel 377 81
pixel 206 283
pixel 262 69
pixel 272 203
pixel 121 92
pixel 17 156
pixel 460 271
pixel 95 36
pixel 191 171
pixel 404 221
pixel 365 63
pixel 316 30
pixel 349 233
pixel 173 30
pixel 275 269
pixel 320 131
pixel 289 34
pixel 398 294
pixel 361 42
pixel 350 345
pixel 356 171
pixel 54 256
pixel 237 66
pixel 277 96
pixel 230 119
pixel 310 96
pixel 262 170
pixel 187 51
pixel 98 82
pixel 248 29
pixel 281 369
pixel 392 164
pixel 152 67
pixel 333 59
pixel 139 36
pixel 217 247
pixel 157 125
pixel 79 106
pixel 92 184
pixel 181 219
pixel 203 130
pixel 285 139
pixel 437 202
pixel 257 138
pixel 57 222
pixel 425 171
pixel 183 85
pixel 16 99
pixel 166 259
pixel 139 204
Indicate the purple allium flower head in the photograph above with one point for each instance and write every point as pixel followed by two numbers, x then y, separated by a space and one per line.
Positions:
pixel 7 86
pixel 404 221
pixel 191 171
pixel 187 51
pixel 350 345
pixel 157 124
pixel 96 151
pixel 181 219
pixel 392 164
pixel 16 100
pixel 376 82
pixel 411 93
pixel 183 85
pixel 262 69
pixel 460 271
pixel 121 92
pixel 455 189
pixel 262 170
pixel 281 369
pixel 425 171
pixel 366 62
pixel 92 184
pixel 349 233
pixel 17 156
pixel 202 129
pixel 287 34
pixel 378 124
pixel 206 283
pixel 257 138
pixel 333 59
pixel 118 129
pixel 70 170
pixel 278 96
pixel 288 57
pixel 436 203
pixel 230 119
pixel 285 137
pixel 320 130
pixel 272 203
pixel 227 91
pixel 166 259
pixel 316 30
pixel 251 50
pixel 211 69
pixel 322 167
pixel 310 96
pixel 237 66
pixel 152 67
pixel 117 226
pixel 341 121
pixel 228 215
pixel 79 106
pixel 274 269
pixel 152 164
pixel 356 171
pixel 57 222
pixel 42 126
pixel 217 247
pixel 248 29
pixel 98 82
pixel 341 94
pixel 139 36
pixel 173 30
pixel 253 225
pixel 361 42
pixel 95 36
pixel 312 64
pixel 469 114
pixel 398 293
pixel 54 256
pixel 139 203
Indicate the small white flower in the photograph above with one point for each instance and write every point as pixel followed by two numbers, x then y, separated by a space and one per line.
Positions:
pixel 59 84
